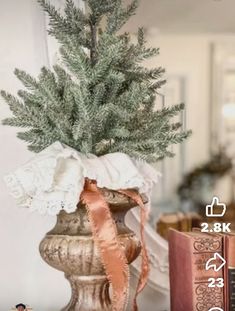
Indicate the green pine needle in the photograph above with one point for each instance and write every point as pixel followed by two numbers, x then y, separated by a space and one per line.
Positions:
pixel 101 99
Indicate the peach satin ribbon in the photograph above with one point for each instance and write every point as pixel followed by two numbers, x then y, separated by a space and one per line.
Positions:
pixel 106 238
pixel 145 260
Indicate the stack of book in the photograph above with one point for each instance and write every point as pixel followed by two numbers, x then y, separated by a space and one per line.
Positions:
pixel 193 288
pixel 179 221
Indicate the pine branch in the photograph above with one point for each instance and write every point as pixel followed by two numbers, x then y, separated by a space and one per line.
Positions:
pixel 141 37
pixel 120 16
pixel 101 98
pixel 93 48
pixel 28 81
pixel 72 25
pixel 76 61
pixel 57 21
pixel 14 104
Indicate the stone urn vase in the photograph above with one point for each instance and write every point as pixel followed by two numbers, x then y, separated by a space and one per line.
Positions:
pixel 69 247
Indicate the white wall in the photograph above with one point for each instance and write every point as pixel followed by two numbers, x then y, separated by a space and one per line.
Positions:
pixel 188 56
pixel 23 275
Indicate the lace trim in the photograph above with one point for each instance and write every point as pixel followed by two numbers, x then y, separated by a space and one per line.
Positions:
pixel 53 180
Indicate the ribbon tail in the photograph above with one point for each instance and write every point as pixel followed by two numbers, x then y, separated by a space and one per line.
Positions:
pixel 106 238
pixel 145 260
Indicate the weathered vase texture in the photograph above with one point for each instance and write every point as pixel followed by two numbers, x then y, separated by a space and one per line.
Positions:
pixel 70 247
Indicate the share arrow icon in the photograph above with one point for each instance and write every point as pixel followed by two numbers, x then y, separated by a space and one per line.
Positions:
pixel 216 262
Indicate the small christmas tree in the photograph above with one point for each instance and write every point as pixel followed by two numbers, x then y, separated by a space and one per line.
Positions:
pixel 101 100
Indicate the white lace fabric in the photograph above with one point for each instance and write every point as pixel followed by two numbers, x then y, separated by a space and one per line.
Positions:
pixel 54 179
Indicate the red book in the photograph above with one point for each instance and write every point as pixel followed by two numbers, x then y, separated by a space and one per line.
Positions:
pixel 189 279
pixel 229 250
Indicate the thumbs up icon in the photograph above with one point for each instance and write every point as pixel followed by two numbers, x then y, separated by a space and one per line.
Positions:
pixel 210 208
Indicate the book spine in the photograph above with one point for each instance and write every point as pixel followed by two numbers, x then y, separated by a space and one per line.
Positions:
pixel 204 296
pixel 231 279
pixel 180 271
pixel 230 258
pixel 189 279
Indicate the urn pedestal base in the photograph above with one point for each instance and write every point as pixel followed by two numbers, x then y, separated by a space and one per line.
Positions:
pixel 89 293
pixel 69 247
